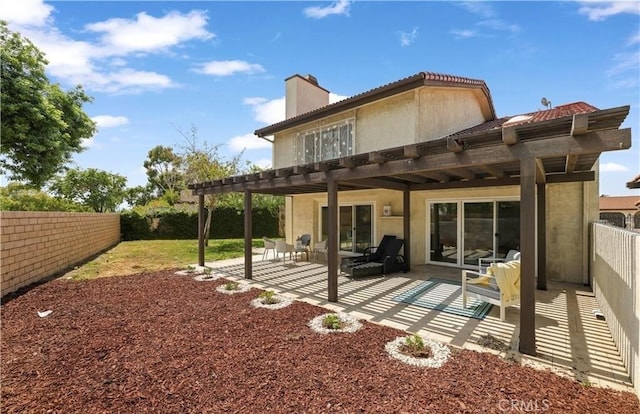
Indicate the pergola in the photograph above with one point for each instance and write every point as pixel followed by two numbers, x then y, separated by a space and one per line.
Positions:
pixel 495 153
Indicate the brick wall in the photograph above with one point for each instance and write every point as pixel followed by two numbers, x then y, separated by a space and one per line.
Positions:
pixel 36 245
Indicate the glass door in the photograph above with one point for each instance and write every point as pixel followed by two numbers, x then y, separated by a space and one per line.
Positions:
pixel 444 232
pixel 355 227
pixel 507 227
pixel 478 232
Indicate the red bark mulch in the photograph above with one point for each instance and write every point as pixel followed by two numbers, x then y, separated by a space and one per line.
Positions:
pixel 169 344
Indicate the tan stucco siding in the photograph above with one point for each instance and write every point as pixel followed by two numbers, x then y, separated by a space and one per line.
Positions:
pixel 446 111
pixel 569 207
pixel 387 123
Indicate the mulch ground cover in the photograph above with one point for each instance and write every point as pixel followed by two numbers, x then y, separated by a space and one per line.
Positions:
pixel 169 344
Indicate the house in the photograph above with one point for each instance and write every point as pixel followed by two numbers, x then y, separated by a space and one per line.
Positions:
pixel 623 211
pixel 459 182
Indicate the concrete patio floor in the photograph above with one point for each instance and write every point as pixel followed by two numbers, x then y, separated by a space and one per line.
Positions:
pixel 570 340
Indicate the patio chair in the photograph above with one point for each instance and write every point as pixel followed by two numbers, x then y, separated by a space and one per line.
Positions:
pixel 499 285
pixel 485 262
pixel 370 254
pixel 283 247
pixel 319 248
pixel 390 261
pixel 303 245
pixel 269 245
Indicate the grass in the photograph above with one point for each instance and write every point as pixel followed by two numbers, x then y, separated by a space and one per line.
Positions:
pixel 131 257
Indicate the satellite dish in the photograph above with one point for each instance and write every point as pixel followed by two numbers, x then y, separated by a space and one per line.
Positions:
pixel 545 102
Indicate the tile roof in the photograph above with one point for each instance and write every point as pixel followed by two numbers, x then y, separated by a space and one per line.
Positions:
pixel 619 203
pixel 530 117
pixel 389 89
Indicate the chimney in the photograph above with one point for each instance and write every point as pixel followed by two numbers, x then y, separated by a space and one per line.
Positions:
pixel 303 94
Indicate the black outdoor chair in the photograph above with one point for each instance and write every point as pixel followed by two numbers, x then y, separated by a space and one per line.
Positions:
pixel 370 254
pixel 303 245
pixel 390 261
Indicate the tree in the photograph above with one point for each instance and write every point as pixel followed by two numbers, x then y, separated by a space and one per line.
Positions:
pixel 138 195
pixel 203 163
pixel 42 125
pixel 18 197
pixel 163 170
pixel 100 190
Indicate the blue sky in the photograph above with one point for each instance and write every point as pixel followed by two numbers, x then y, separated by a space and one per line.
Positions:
pixel 157 68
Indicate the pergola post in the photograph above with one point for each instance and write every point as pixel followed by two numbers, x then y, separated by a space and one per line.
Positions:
pixel 528 255
pixel 542 237
pixel 201 223
pixel 332 239
pixel 248 235
pixel 406 221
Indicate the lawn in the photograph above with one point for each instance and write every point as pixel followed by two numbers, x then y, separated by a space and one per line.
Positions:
pixel 139 256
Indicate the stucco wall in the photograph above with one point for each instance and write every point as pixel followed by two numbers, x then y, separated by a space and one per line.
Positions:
pixel 36 245
pixel 415 116
pixel 568 215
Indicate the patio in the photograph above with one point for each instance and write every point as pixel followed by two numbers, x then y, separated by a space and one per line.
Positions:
pixel 570 340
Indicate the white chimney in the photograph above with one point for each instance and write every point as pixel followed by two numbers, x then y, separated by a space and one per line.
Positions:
pixel 303 94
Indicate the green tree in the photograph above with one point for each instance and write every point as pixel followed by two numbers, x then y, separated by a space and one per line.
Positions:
pixel 19 197
pixel 163 170
pixel 42 125
pixel 100 190
pixel 201 162
pixel 138 195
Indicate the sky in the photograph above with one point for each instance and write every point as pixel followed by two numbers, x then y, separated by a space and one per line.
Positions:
pixel 155 70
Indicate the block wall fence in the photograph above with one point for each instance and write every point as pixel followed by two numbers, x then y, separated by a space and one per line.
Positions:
pixel 36 245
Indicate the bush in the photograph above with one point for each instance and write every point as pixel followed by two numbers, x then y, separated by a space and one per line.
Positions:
pixel 226 223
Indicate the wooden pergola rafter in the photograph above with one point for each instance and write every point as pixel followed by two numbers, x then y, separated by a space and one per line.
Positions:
pixel 529 155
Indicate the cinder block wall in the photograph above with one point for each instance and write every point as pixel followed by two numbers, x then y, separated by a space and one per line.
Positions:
pixel 35 245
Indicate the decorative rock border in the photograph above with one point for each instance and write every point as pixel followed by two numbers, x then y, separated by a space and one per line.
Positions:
pixel 242 287
pixel 350 323
pixel 283 301
pixel 197 270
pixel 440 351
pixel 207 278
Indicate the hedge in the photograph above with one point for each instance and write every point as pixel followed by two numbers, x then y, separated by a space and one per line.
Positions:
pixel 226 223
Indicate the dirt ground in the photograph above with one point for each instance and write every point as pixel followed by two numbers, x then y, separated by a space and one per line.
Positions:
pixel 169 344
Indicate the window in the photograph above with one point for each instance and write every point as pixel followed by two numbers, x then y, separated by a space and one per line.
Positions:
pixel 327 143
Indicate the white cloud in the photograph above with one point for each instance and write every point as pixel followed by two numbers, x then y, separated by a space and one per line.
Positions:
pixel 633 39
pixel 612 167
pixel 624 72
pixel 149 34
pixel 463 34
pixel 334 97
pixel 25 12
pixel 248 142
pixel 480 8
pixel 229 67
pixel 108 121
pixel 101 66
pixel 407 38
pixel 341 7
pixel 267 111
pixel 499 25
pixel 601 10
pixel 263 163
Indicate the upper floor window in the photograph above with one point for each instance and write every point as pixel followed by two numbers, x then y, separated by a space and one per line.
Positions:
pixel 326 143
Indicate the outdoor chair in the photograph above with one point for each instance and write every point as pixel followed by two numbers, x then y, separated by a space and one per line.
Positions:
pixel 302 245
pixel 390 260
pixel 320 248
pixel 269 245
pixel 499 285
pixel 283 247
pixel 370 254
pixel 485 262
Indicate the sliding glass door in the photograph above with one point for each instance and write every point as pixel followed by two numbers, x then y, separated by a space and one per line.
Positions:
pixel 461 232
pixel 354 227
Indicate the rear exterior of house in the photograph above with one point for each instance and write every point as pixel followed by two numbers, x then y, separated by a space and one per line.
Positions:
pixel 449 226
